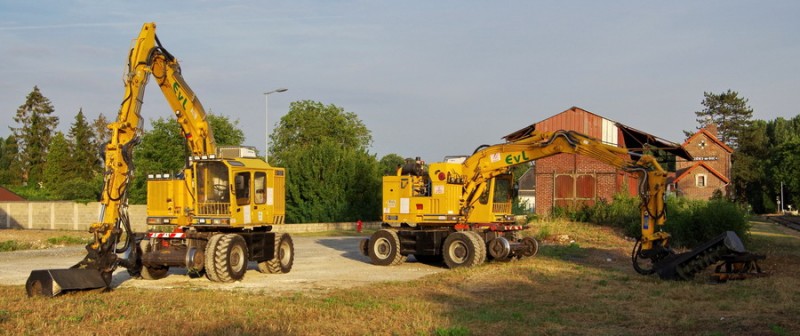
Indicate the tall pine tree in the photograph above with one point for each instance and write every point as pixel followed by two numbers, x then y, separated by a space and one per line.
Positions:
pixel 36 127
pixel 729 112
pixel 83 149
pixel 59 167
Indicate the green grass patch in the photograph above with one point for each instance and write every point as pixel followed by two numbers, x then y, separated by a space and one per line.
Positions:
pixel 570 251
pixel 13 245
pixel 67 240
pixel 452 331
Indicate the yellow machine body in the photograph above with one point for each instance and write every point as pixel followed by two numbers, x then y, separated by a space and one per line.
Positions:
pixel 434 198
pixel 237 192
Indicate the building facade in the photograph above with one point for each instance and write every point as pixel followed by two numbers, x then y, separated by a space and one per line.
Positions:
pixel 568 180
pixel 709 172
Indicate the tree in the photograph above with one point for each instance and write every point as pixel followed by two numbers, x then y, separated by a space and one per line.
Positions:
pixel 59 167
pixel 330 174
pixel 768 161
pixel 749 166
pixel 83 147
pixel 389 164
pixel 309 123
pixel 784 162
pixel 10 170
pixel 226 132
pixel 163 150
pixel 34 133
pixel 102 134
pixel 729 112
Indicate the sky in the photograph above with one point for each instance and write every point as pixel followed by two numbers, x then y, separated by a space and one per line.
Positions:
pixel 427 78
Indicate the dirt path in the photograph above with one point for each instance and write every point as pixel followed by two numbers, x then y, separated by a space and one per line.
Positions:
pixel 321 263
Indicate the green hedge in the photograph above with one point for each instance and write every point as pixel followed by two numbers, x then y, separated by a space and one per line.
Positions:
pixel 690 222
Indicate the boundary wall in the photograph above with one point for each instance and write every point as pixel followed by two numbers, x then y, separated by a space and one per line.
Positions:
pixel 65 215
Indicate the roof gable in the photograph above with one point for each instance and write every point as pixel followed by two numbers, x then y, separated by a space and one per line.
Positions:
pixel 713 138
pixel 699 165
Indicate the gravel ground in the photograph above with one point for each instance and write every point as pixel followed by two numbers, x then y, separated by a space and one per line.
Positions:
pixel 321 264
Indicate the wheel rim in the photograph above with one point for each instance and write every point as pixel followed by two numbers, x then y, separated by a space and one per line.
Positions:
pixel 499 248
pixel 285 253
pixel 237 260
pixel 458 252
pixel 531 247
pixel 382 248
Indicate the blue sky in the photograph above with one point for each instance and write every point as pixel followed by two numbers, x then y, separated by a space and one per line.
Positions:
pixel 428 78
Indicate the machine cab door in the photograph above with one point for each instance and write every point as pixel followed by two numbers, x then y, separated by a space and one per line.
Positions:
pixel 243 189
pixel 253 197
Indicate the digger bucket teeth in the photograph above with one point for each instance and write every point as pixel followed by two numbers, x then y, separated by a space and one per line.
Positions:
pixel 52 282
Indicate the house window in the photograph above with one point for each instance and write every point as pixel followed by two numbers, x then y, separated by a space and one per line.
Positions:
pixel 700 180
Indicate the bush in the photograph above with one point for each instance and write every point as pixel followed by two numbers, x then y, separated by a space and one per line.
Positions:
pixel 690 222
pixel 693 222
pixel 622 213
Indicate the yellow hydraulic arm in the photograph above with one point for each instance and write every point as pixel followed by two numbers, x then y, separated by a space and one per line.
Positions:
pixel 147 57
pixel 494 160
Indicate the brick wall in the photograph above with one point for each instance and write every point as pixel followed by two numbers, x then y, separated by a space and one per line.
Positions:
pixel 688 188
pixel 706 149
pixel 607 179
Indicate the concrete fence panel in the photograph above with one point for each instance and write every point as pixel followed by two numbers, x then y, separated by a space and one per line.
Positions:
pixel 61 215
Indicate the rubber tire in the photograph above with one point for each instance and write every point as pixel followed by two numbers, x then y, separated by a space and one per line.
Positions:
pixel 151 273
pixel 229 258
pixel 463 249
pixel 283 258
pixel 210 268
pixel 480 246
pixel 384 248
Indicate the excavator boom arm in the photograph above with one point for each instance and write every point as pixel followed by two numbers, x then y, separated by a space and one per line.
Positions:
pixel 491 161
pixel 146 57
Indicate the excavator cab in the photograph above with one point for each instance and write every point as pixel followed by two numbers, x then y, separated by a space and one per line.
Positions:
pixel 218 191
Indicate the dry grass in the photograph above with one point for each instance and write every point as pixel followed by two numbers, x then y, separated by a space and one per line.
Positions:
pixel 15 239
pixel 585 287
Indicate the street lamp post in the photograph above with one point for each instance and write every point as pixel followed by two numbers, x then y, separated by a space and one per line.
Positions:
pixel 266 117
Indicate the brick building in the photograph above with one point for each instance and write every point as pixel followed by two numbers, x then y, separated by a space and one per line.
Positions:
pixel 565 180
pixel 709 171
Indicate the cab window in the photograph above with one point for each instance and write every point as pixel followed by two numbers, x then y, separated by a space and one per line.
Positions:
pixel 260 184
pixel 242 182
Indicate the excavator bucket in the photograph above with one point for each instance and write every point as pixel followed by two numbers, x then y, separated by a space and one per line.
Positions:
pixel 727 247
pixel 52 282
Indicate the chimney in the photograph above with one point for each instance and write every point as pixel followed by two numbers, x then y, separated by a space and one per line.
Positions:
pixel 712 128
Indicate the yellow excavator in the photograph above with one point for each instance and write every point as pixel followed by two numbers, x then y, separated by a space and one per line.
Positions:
pixel 219 209
pixel 459 211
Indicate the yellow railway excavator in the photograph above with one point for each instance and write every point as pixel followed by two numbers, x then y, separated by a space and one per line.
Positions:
pixel 459 211
pixel 220 207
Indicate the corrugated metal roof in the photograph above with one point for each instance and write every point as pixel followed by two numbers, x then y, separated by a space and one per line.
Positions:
pixel 591 124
